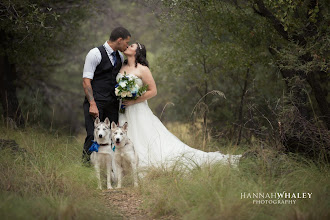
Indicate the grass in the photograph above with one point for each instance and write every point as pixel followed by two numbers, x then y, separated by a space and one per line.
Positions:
pixel 46 180
pixel 193 135
pixel 214 191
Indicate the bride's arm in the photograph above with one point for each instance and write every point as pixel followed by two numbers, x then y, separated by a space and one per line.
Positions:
pixel 147 79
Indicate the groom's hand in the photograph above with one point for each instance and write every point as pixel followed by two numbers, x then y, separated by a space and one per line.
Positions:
pixel 93 110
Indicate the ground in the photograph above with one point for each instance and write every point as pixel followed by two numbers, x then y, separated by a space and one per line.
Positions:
pixel 128 203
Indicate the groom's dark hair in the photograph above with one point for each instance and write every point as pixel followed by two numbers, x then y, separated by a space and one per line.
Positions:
pixel 119 32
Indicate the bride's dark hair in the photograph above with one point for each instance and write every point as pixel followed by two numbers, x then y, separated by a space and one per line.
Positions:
pixel 140 55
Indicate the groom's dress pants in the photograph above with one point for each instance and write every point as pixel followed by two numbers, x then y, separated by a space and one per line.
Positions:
pixel 106 109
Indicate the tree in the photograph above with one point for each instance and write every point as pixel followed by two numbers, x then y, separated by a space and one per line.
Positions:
pixel 213 46
pixel 303 27
pixel 32 34
pixel 243 40
pixel 302 57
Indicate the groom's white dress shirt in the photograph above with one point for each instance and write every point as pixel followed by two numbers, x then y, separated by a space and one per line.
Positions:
pixel 94 58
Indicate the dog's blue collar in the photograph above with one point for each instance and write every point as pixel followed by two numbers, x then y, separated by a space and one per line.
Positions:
pixel 95 147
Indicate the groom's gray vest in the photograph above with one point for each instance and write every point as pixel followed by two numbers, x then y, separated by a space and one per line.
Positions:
pixel 104 81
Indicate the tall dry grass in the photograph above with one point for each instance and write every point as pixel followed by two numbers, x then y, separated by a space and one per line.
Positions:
pixel 193 134
pixel 46 180
pixel 214 191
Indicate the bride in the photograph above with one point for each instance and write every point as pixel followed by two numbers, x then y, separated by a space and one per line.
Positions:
pixel 155 145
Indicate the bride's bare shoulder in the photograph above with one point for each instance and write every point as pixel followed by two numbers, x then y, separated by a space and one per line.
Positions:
pixel 143 69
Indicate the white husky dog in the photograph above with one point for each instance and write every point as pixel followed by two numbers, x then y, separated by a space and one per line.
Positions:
pixel 105 154
pixel 126 158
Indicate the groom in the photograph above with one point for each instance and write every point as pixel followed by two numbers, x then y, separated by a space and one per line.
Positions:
pixel 101 67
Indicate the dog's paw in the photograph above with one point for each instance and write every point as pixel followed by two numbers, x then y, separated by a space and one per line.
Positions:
pixel 109 187
pixel 118 187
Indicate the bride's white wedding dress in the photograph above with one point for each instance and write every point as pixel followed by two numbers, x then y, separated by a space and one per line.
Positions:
pixel 156 146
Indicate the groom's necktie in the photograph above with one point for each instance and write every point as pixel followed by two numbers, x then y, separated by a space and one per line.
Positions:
pixel 114 58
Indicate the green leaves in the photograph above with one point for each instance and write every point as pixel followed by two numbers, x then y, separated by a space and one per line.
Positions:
pixel 127 87
pixel 28 27
pixel 212 46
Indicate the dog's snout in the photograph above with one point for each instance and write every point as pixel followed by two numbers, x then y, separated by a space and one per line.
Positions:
pixel 100 135
pixel 117 139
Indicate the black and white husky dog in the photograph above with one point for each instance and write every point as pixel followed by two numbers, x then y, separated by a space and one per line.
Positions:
pixel 103 158
pixel 126 158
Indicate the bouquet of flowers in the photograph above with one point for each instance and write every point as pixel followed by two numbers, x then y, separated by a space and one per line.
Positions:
pixel 128 89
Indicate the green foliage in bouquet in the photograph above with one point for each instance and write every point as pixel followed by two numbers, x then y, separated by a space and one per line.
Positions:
pixel 128 89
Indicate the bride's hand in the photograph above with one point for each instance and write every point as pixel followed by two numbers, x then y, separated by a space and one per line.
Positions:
pixel 129 102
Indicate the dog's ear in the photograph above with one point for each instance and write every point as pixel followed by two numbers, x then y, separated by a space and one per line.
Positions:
pixel 107 121
pixel 96 122
pixel 113 125
pixel 125 126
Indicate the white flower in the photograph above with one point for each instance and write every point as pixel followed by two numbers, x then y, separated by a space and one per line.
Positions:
pixel 122 84
pixel 123 94
pixel 119 76
pixel 129 94
pixel 116 91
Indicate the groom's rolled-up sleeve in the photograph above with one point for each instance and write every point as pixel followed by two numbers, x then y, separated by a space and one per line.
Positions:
pixel 93 59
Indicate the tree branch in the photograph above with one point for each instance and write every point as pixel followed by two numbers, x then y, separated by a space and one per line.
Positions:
pixel 311 28
pixel 263 11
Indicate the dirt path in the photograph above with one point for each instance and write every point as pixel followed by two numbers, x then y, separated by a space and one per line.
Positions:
pixel 129 204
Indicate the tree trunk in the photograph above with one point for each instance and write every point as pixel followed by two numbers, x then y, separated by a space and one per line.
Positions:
pixel 11 110
pixel 296 90
pixel 320 96
pixel 240 110
pixel 205 135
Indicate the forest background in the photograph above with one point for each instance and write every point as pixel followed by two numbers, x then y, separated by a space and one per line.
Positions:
pixel 237 70
pixel 235 76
